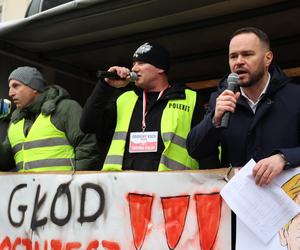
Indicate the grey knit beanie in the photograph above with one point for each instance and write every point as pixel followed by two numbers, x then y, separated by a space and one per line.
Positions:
pixel 29 76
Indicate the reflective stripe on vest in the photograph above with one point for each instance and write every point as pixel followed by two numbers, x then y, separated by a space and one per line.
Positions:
pixel 175 125
pixel 125 106
pixel 45 148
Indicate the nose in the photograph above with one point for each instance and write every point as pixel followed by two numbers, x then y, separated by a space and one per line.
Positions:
pixel 11 92
pixel 240 60
pixel 135 68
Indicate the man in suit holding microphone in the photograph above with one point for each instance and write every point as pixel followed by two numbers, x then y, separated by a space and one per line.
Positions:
pixel 264 121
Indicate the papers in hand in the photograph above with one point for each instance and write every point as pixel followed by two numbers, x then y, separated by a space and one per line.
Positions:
pixel 263 209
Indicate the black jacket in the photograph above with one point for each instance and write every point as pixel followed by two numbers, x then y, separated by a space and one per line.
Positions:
pixel 275 127
pixel 99 116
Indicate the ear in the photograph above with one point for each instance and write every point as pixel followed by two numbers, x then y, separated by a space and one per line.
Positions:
pixel 35 92
pixel 283 236
pixel 160 71
pixel 269 58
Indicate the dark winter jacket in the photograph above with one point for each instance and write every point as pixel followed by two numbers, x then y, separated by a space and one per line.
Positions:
pixel 65 115
pixel 99 116
pixel 275 127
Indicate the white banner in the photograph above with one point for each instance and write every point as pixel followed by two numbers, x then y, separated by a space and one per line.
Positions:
pixel 111 211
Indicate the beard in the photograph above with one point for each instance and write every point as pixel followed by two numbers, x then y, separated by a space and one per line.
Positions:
pixel 254 78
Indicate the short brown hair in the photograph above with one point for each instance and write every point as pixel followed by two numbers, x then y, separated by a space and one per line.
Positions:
pixel 263 37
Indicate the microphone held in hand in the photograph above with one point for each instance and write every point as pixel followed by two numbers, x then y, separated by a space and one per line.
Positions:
pixel 232 81
pixel 113 75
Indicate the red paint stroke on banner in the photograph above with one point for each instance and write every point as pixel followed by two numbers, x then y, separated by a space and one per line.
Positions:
pixel 73 245
pixel 208 216
pixel 37 245
pixel 108 245
pixel 5 244
pixel 16 243
pixel 27 243
pixel 140 215
pixel 175 210
pixel 56 244
pixel 93 245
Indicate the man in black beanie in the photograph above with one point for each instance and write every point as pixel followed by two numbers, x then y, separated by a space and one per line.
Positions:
pixel 44 133
pixel 145 127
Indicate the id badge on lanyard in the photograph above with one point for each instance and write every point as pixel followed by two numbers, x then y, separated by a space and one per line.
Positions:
pixel 144 142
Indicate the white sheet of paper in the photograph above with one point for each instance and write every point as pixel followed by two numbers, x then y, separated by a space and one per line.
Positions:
pixel 247 240
pixel 263 209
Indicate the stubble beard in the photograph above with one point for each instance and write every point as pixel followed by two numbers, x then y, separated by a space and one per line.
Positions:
pixel 254 79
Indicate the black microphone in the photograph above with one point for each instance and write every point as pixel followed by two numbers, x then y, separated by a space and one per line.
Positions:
pixel 232 81
pixel 113 75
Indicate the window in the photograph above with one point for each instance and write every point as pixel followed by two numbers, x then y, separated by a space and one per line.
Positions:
pixel 1 13
pixel 48 4
pixel 37 6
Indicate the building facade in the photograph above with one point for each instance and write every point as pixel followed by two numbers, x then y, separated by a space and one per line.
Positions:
pixel 13 9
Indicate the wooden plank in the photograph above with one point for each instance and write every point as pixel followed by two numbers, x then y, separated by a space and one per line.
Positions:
pixel 292 72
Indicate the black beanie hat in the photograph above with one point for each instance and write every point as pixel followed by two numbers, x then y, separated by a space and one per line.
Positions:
pixel 154 54
pixel 29 76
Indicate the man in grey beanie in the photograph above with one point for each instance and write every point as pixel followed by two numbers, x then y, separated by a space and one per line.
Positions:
pixel 29 76
pixel 25 84
pixel 44 133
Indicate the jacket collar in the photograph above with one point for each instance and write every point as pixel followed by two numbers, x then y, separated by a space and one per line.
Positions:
pixel 176 91
pixel 45 103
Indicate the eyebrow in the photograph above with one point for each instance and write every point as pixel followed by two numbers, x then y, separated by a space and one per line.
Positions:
pixel 242 52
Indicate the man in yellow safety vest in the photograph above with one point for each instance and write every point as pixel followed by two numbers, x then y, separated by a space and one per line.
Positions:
pixel 44 133
pixel 149 123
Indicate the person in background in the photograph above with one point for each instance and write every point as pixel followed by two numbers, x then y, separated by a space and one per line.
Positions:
pixel 3 128
pixel 44 133
pixel 5 110
pixel 265 113
pixel 149 124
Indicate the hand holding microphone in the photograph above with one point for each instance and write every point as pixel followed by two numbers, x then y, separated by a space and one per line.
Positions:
pixel 117 76
pixel 226 102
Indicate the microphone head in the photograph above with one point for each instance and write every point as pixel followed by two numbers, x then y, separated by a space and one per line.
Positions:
pixel 133 76
pixel 233 80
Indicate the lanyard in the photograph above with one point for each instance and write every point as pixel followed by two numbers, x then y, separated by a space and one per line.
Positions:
pixel 145 106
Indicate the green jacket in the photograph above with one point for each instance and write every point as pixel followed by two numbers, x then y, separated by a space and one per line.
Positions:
pixel 65 116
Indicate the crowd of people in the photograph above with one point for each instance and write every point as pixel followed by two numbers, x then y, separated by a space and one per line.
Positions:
pixel 158 125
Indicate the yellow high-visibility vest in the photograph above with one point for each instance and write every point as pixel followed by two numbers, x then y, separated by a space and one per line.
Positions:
pixel 45 148
pixel 175 125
